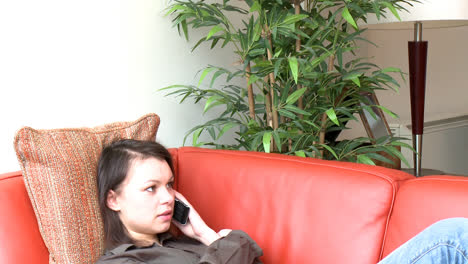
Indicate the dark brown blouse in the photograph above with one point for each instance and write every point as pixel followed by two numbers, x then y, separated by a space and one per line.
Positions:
pixel 237 247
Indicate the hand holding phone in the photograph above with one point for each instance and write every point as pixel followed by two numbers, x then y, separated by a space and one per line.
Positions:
pixel 194 227
pixel 181 212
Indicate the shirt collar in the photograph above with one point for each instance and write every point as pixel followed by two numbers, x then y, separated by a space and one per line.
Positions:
pixel 122 248
pixel 163 237
pixel 129 246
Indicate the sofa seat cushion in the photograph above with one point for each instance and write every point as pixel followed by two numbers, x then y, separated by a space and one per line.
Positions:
pixel 59 169
pixel 299 210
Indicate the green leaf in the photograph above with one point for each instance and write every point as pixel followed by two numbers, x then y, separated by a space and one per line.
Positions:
pixel 347 15
pixel 291 19
pixel 213 31
pixel 397 153
pixel 215 76
pixel 278 52
pixel 198 43
pixel 214 42
pixel 365 159
pixel 300 153
pixel 174 8
pixel 257 31
pixel 292 98
pixel 226 40
pixel 255 7
pixel 402 144
pixel 318 60
pixel 277 139
pixel 293 64
pixel 211 131
pixel 267 141
pixel 339 57
pixel 356 81
pixel 390 113
pixel 285 92
pixel 376 8
pixel 376 156
pixel 204 73
pixel 286 113
pixel 260 98
pixel 277 66
pixel 209 102
pixel 392 9
pixel 184 28
pixel 332 115
pixel 226 128
pixel 353 77
pixel 196 135
pixel 330 150
pixel 391 69
pixel 256 52
pixel 297 110
pixel 255 142
pixel 252 79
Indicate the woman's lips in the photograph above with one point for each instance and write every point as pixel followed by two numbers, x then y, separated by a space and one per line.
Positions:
pixel 166 216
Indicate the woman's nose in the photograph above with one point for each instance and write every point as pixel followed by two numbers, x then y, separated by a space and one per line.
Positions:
pixel 167 195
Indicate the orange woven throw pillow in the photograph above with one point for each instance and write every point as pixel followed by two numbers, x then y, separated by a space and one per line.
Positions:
pixel 59 170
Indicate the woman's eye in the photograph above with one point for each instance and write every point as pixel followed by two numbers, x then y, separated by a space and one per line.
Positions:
pixel 150 189
pixel 170 185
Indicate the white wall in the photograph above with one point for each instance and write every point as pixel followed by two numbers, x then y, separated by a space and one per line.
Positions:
pixel 70 63
pixel 81 63
pixel 446 88
pixel 447 66
pixel 445 146
pixel 446 82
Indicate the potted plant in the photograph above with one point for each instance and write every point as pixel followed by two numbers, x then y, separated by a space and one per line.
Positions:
pixel 303 79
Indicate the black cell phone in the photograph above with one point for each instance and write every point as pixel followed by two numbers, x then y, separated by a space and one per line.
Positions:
pixel 181 212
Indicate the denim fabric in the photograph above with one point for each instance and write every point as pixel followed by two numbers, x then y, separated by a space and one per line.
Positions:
pixel 443 242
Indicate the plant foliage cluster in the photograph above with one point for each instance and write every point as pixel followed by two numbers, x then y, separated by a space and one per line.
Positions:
pixel 303 79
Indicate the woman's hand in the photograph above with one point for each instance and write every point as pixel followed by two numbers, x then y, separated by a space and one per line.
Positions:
pixel 196 228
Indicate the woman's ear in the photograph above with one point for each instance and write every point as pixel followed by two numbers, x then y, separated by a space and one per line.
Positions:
pixel 112 201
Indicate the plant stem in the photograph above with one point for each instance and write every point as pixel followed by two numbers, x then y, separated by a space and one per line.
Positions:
pixel 268 104
pixel 274 112
pixel 250 92
pixel 323 121
pixel 300 103
pixel 268 110
pixel 297 11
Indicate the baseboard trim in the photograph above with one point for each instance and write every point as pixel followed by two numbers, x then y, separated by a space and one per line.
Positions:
pixel 444 124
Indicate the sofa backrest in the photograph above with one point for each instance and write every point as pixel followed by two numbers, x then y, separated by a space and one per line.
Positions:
pixel 298 210
pixel 423 201
pixel 20 240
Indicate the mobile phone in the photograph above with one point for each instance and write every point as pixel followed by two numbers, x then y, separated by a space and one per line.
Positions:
pixel 181 212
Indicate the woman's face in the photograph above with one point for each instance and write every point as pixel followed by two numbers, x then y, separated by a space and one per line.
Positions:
pixel 145 199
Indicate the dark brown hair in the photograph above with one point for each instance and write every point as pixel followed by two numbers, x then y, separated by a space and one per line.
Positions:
pixel 113 166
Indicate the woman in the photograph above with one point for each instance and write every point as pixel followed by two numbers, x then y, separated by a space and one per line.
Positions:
pixel 136 197
pixel 135 180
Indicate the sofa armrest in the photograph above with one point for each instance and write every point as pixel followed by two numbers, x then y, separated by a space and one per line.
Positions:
pixel 20 240
pixel 423 201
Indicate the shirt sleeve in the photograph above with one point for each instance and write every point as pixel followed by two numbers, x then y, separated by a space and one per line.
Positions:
pixel 235 248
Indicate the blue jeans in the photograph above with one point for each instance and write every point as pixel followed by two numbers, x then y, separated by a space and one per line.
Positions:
pixel 443 242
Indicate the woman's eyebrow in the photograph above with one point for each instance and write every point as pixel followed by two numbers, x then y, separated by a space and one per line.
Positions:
pixel 153 181
pixel 158 181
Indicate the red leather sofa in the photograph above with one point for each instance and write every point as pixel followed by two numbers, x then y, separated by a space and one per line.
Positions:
pixel 299 210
